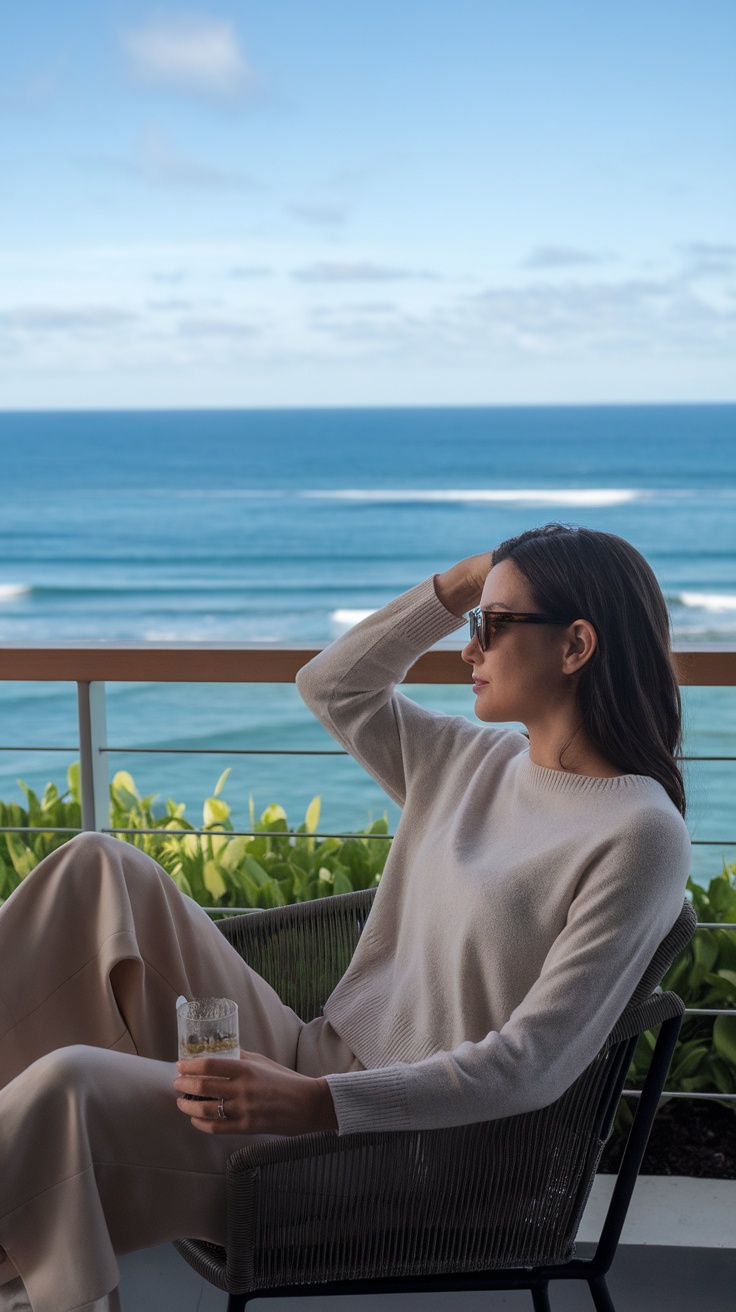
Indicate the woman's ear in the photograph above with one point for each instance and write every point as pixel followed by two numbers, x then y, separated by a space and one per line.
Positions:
pixel 581 641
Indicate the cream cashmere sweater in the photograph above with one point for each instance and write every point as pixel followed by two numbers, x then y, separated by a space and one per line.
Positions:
pixel 518 908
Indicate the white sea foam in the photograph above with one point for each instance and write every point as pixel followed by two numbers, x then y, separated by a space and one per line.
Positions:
pixel 711 601
pixel 574 496
pixel 347 618
pixel 9 591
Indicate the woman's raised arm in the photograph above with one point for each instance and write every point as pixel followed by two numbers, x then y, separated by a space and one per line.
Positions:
pixel 351 685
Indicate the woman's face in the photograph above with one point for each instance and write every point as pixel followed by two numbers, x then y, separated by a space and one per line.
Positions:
pixel 523 675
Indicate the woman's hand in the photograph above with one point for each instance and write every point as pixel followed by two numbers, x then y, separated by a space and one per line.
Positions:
pixel 260 1096
pixel 459 588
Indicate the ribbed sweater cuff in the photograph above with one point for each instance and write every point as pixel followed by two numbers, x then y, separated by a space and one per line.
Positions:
pixel 370 1100
pixel 423 618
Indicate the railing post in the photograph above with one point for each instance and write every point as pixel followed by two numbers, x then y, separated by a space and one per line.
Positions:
pixel 93 778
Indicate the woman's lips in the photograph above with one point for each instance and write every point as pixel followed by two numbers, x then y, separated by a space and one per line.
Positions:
pixel 478 684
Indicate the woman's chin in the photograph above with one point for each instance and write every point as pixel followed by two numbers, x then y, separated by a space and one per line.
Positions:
pixel 485 709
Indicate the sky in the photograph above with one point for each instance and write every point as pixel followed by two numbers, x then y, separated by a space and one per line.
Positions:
pixel 280 203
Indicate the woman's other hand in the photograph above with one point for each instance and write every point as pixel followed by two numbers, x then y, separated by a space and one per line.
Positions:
pixel 259 1096
pixel 459 588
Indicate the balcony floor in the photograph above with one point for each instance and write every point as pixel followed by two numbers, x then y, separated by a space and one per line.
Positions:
pixel 643 1279
pixel 677 1254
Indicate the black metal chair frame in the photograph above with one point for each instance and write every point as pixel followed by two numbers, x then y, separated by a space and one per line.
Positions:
pixel 210 1261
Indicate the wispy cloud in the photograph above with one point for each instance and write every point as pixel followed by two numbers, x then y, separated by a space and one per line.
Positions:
pixel 710 259
pixel 717 250
pixel 160 161
pixel 174 303
pixel 659 314
pixel 563 257
pixel 372 307
pixel 250 271
pixel 54 319
pixel 320 214
pixel 157 160
pixel 170 276
pixel 576 319
pixel 213 327
pixel 359 271
pixel 191 53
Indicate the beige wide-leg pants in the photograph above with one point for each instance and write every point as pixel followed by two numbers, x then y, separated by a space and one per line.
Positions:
pixel 95 1158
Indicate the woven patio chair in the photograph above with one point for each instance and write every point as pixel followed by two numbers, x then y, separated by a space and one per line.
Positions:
pixel 494 1205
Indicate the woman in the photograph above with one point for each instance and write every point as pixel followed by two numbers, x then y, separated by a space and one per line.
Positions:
pixel 528 886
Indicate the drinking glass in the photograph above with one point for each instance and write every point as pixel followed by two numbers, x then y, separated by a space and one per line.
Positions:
pixel 207 1027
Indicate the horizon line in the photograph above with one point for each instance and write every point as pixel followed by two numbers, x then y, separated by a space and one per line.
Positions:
pixel 340 407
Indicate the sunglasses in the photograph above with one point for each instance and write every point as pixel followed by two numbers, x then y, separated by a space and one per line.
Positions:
pixel 484 623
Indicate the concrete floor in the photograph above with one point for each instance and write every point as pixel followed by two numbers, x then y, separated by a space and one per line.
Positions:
pixel 677 1254
pixel 642 1279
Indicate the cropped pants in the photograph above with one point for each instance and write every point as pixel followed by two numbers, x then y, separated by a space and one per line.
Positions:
pixel 96 1159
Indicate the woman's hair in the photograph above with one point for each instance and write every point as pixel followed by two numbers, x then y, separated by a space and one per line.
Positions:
pixel 627 693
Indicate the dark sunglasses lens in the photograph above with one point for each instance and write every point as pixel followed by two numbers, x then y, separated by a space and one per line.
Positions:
pixel 477 628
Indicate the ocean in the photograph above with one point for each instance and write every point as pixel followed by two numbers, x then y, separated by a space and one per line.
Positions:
pixel 283 527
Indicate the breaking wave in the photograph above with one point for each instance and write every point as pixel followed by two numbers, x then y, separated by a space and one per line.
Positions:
pixel 345 619
pixel 575 496
pixel 10 591
pixel 716 602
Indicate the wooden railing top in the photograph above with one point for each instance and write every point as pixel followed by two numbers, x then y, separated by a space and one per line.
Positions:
pixel 239 663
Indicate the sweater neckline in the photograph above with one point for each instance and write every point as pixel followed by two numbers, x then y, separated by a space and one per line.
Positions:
pixel 562 781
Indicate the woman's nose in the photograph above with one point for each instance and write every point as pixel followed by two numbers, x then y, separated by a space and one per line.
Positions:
pixel 471 652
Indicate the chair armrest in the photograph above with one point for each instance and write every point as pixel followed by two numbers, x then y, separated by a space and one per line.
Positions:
pixel 641 1016
pixel 505 1193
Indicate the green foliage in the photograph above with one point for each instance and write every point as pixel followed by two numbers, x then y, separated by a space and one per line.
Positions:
pixel 275 866
pixel 704 975
pixel 19 853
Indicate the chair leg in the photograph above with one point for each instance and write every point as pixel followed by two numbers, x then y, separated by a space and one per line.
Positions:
pixel 601 1297
pixel 236 1302
pixel 540 1298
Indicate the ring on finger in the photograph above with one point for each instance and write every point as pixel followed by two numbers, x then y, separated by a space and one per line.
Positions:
pixel 222 1114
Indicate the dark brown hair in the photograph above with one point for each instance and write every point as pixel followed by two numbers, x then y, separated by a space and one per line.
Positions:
pixel 627 693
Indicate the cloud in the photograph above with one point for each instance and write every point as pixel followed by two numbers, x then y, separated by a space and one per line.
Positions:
pixel 319 214
pixel 563 257
pixel 50 319
pixel 205 327
pixel 373 307
pixel 707 250
pixel 156 160
pixel 574 320
pixel 359 271
pixel 172 304
pixel 651 313
pixel 161 162
pixel 171 276
pixel 250 271
pixel 201 54
pixel 707 259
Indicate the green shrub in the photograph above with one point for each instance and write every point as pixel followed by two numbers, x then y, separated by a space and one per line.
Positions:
pixel 19 853
pixel 704 975
pixel 276 866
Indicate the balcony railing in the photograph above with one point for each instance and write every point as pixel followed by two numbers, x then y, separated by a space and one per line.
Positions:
pixel 91 666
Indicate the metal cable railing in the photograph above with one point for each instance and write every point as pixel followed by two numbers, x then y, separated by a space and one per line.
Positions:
pixel 198 751
pixel 105 750
pixel 254 833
